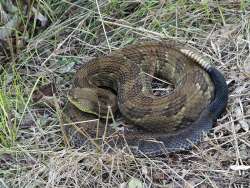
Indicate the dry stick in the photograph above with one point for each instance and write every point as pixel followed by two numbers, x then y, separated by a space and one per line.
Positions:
pixel 176 21
pixel 238 158
pixel 85 134
pixel 82 132
pixel 79 122
pixel 172 170
pixel 222 144
pixel 211 182
pixel 106 124
pixel 239 95
pixel 113 120
pixel 133 28
pixel 29 99
pixel 231 121
pixel 164 81
pixel 96 48
pixel 103 27
pixel 208 37
pixel 60 115
pixel 98 123
pixel 245 142
pixel 109 113
pixel 238 64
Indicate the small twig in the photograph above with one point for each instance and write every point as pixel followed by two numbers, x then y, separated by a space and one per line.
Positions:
pixel 104 30
pixel 164 81
pixel 135 28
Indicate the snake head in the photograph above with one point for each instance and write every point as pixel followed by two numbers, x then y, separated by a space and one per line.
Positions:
pixel 93 100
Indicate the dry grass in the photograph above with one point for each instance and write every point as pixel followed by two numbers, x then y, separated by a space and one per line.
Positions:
pixel 32 151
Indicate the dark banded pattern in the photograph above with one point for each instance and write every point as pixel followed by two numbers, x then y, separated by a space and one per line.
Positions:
pixel 171 120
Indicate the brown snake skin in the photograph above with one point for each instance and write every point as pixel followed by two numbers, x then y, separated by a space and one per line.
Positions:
pixel 158 124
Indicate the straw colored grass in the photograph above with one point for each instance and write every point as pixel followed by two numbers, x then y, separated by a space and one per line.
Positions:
pixel 32 148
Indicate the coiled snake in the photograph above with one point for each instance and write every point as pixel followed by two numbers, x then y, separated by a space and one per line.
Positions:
pixel 160 123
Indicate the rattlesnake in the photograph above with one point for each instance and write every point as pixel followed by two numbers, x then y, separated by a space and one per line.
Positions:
pixel 160 123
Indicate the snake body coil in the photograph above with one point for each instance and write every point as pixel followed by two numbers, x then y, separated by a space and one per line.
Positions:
pixel 160 123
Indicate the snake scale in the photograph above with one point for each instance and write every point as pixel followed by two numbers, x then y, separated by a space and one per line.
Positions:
pixel 158 124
